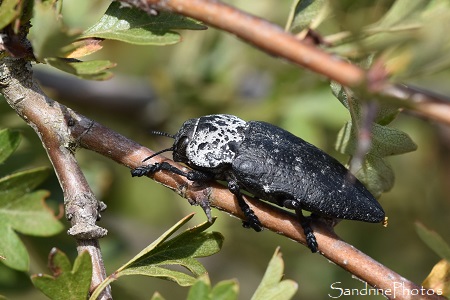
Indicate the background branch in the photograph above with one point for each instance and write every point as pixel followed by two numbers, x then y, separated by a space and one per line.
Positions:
pixel 273 40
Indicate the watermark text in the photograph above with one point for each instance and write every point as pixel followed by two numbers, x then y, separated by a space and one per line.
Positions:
pixel 399 290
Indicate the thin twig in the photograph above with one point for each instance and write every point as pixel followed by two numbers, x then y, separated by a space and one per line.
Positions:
pixel 273 40
pixel 266 36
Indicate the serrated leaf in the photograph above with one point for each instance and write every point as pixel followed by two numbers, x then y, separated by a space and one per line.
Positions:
pixel 29 215
pixel 375 172
pixel 24 212
pixel 132 25
pixel 9 11
pixel 272 286
pixel 65 282
pixel 49 36
pixel 305 12
pixel 158 241
pixel 439 278
pixel 9 141
pixel 434 241
pixel 182 250
pixel 93 70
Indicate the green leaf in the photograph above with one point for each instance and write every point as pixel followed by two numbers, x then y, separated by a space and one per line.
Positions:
pixel 434 241
pixel 200 289
pixel 307 14
pixel 25 212
pixel 181 250
pixel 12 249
pixel 385 114
pixel 179 277
pixel 132 25
pixel 18 184
pixel 224 290
pixel 158 241
pixel 272 286
pixel 376 174
pixel 386 141
pixel 93 70
pixel 9 11
pixel 49 36
pixel 9 141
pixel 65 282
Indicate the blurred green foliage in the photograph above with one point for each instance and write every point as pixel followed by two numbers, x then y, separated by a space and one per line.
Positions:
pixel 213 72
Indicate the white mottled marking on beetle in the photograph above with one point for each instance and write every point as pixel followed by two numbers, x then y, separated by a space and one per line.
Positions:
pixel 195 127
pixel 209 146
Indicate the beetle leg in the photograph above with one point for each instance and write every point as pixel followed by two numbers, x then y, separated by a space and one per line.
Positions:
pixel 305 222
pixel 309 234
pixel 191 175
pixel 252 220
pixel 147 169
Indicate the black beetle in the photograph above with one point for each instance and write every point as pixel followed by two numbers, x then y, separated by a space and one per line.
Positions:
pixel 273 165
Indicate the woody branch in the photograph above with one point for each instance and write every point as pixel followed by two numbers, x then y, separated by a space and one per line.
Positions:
pixel 273 40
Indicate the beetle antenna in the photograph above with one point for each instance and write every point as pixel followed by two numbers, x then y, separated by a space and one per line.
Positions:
pixel 159 152
pixel 162 133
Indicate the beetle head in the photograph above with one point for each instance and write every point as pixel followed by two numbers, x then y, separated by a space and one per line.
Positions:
pixel 205 142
